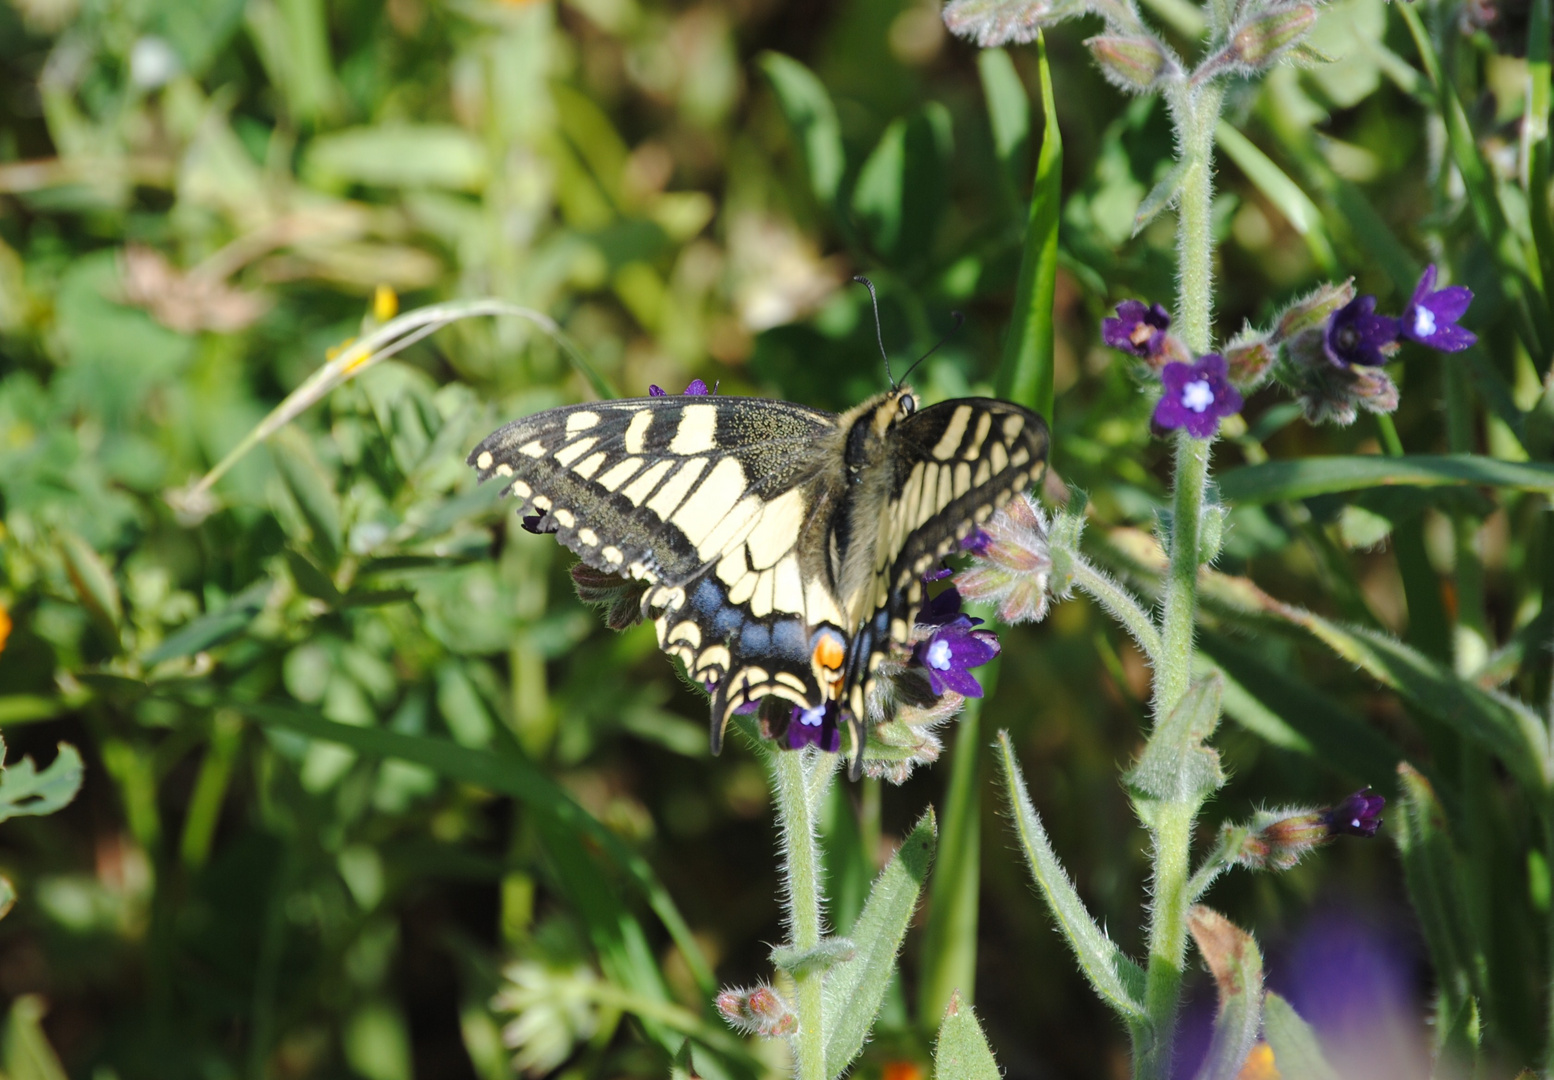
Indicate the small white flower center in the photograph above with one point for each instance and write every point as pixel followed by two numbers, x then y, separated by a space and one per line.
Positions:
pixel 939 655
pixel 1424 321
pixel 1198 395
pixel 812 717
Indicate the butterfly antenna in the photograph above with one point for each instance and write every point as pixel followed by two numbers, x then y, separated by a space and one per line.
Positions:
pixel 959 318
pixel 878 335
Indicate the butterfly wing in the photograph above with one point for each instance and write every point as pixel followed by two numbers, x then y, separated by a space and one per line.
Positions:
pixel 951 466
pixel 709 501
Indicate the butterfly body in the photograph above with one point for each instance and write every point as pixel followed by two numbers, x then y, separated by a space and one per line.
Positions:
pixel 782 547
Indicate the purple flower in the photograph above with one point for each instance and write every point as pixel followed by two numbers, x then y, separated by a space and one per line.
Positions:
pixel 696 389
pixel 1357 335
pixel 1196 396
pixel 1360 813
pixel 951 651
pixel 941 610
pixel 820 726
pixel 1137 329
pixel 978 542
pixel 1432 314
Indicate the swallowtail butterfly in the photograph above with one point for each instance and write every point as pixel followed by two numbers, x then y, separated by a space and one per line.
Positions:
pixel 782 548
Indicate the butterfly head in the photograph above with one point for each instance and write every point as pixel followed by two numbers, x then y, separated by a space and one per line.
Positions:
pixel 869 427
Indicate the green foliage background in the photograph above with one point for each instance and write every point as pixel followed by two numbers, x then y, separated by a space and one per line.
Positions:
pixel 352 744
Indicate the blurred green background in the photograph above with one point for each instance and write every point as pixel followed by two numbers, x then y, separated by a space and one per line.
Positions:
pixel 201 199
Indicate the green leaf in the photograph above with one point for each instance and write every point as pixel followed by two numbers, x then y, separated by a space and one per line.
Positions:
pixel 25 792
pixel 1433 876
pixel 1295 1049
pixel 901 190
pixel 1118 980
pixel 807 107
pixel 311 580
pixel 93 583
pixel 1237 966
pixel 313 489
pixel 823 957
pixel 1008 111
pixel 398 155
pixel 1281 481
pixel 7 896
pixel 1025 374
pixel 1162 195
pixel 27 1054
pixel 854 990
pixel 506 773
pixel 962 1052
pixel 948 959
pixel 213 627
pixel 681 1066
pixel 1175 765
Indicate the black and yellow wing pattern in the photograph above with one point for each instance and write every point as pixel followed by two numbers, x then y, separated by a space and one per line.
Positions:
pixel 783 548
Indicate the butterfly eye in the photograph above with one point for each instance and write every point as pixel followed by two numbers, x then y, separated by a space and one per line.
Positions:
pixel 908 404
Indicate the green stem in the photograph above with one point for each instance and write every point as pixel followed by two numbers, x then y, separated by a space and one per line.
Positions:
pixel 1195 112
pixel 1121 604
pixel 1172 836
pixel 1181 597
pixel 799 781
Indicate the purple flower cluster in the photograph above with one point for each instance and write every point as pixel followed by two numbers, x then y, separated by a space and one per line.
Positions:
pixel 1357 335
pixel 1333 343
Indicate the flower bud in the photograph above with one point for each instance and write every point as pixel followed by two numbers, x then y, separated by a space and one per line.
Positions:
pixel 1131 63
pixel 1013 565
pixel 1311 311
pixel 1258 43
pixel 1277 839
pixel 1249 359
pixel 760 1010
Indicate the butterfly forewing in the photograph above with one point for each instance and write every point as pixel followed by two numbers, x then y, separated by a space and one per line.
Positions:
pixel 706 499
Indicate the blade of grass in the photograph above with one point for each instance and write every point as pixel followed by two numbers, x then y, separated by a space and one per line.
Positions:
pixel 949 953
pixel 1283 192
pixel 1025 375
pixel 1281 481
pixel 393 337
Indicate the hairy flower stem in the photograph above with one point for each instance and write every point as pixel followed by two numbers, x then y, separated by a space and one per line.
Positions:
pixel 800 779
pixel 1195 112
pixel 1120 604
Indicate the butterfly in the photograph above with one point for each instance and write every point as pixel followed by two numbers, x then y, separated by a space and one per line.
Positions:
pixel 782 548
